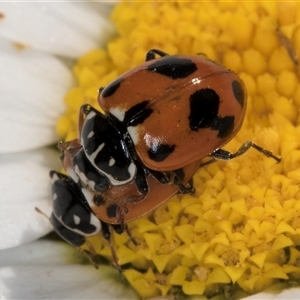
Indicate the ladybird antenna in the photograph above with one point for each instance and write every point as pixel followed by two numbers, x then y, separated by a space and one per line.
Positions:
pixel 41 212
pixel 114 256
pixel 88 255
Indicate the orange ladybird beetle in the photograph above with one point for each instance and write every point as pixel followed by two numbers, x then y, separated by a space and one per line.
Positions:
pixel 160 120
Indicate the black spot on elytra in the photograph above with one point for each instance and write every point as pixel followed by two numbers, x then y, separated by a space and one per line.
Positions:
pixel 99 200
pixel 111 211
pixel 238 92
pixel 173 67
pixel 111 88
pixel 160 152
pixel 137 114
pixel 225 126
pixel 204 107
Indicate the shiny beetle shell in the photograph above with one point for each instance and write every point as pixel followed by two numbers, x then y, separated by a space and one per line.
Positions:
pixel 177 109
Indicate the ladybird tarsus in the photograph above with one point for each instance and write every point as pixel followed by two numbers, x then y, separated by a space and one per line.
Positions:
pixel 106 232
pixel 151 54
pixel 183 188
pixel 226 155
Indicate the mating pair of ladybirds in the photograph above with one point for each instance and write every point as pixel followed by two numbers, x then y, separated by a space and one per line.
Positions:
pixel 160 120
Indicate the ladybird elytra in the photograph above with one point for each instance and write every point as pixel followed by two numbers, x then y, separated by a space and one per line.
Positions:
pixel 186 107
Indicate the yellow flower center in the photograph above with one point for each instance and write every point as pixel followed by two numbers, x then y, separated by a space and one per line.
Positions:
pixel 240 232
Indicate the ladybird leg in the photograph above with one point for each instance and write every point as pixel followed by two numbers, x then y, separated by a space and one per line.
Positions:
pixel 183 188
pixel 120 228
pixel 207 162
pixel 174 178
pixel 161 177
pixel 106 232
pixel 226 155
pixel 151 54
pixel 140 180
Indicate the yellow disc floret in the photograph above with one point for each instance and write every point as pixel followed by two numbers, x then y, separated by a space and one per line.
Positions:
pixel 240 232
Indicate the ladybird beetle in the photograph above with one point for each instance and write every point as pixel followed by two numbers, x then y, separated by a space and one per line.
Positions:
pixel 176 109
pixel 72 218
pixel 119 204
pixel 160 120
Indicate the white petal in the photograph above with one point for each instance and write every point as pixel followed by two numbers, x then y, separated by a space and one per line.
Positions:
pixel 33 85
pixel 24 185
pixel 42 270
pixel 64 28
pixel 292 293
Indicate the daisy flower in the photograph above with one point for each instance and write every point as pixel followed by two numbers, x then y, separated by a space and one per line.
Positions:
pixel 239 234
pixel 38 44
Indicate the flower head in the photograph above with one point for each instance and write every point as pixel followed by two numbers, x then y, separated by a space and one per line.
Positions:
pixel 240 229
pixel 239 233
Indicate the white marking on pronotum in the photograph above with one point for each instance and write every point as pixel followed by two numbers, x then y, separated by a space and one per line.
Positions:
pixel 111 162
pixel 90 115
pixel 96 222
pixel 54 178
pixel 134 133
pixel 72 174
pixel 84 179
pixel 76 219
pixel 54 196
pixel 95 153
pixel 131 169
pixel 91 134
pixel 118 113
pixel 89 196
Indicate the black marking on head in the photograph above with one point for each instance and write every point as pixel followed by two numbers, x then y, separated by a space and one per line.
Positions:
pixel 111 88
pixel 173 67
pixel 238 92
pixel 204 107
pixel 137 114
pixel 68 235
pixel 99 200
pixel 160 152
pixel 111 211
